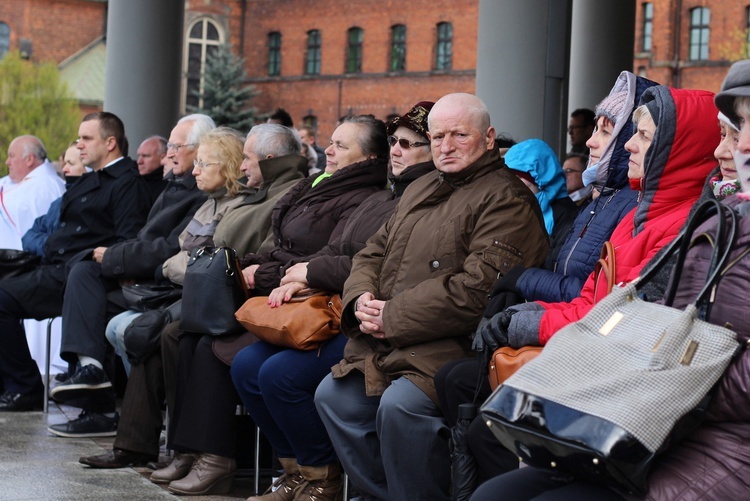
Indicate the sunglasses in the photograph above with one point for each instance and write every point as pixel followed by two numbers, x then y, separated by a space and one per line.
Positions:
pixel 404 143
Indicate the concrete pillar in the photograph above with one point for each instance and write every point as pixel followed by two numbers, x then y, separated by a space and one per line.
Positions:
pixel 601 46
pixel 144 65
pixel 522 61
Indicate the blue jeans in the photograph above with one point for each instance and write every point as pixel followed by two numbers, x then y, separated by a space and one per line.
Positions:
pixel 115 333
pixel 277 386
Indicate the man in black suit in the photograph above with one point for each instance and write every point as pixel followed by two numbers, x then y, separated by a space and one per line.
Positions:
pixel 103 207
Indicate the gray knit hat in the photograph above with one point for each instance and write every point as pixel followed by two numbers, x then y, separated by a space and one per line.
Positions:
pixel 612 106
pixel 736 84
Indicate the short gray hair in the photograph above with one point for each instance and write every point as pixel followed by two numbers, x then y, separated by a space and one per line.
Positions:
pixel 33 145
pixel 201 125
pixel 161 141
pixel 276 140
pixel 640 112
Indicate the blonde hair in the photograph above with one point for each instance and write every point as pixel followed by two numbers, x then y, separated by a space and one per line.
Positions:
pixel 742 106
pixel 227 143
pixel 640 112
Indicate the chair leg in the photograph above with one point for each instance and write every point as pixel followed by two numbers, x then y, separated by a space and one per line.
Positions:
pixel 257 460
pixel 47 364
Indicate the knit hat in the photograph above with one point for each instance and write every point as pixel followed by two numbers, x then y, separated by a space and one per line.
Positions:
pixel 414 119
pixel 736 84
pixel 612 106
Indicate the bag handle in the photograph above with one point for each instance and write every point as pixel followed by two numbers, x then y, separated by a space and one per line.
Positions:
pixel 605 265
pixel 724 237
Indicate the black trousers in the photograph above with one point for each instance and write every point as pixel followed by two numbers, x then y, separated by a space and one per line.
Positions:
pixel 86 311
pixel 456 383
pixel 36 294
pixel 149 384
pixel 205 410
pixel 541 485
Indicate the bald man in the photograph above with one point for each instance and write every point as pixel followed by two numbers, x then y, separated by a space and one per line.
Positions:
pixel 26 193
pixel 413 299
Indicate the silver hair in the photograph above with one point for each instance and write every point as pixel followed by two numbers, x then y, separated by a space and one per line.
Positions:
pixel 275 139
pixel 640 112
pixel 201 125
pixel 33 145
pixel 161 141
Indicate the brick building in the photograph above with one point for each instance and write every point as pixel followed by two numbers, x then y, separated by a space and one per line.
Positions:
pixel 320 60
pixel 323 59
pixel 690 43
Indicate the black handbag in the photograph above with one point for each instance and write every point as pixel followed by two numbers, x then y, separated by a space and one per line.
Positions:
pixel 213 290
pixel 612 391
pixel 144 297
pixel 16 262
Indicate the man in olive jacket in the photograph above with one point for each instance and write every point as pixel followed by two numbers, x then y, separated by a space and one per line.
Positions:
pixel 414 297
pixel 103 207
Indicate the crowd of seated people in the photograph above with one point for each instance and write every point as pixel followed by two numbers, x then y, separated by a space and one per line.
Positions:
pixel 441 241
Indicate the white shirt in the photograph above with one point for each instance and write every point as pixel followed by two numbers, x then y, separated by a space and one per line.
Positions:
pixel 21 203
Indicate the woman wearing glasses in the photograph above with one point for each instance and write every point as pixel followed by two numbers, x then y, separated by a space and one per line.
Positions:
pixel 217 173
pixel 277 385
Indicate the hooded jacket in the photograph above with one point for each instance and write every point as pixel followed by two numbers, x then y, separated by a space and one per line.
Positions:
pixel 676 165
pixel 248 226
pixel 306 218
pixel 563 279
pixel 434 262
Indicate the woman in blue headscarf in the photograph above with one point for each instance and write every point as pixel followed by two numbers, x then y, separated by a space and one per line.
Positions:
pixel 537 166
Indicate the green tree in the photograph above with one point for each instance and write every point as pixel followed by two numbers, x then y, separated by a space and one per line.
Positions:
pixel 225 97
pixel 34 100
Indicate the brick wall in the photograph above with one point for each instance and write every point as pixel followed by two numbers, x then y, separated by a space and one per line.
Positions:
pixel 57 29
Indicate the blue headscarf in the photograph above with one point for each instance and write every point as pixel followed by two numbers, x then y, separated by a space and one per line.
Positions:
pixel 534 157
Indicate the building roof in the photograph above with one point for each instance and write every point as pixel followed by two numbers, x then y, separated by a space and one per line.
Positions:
pixel 84 72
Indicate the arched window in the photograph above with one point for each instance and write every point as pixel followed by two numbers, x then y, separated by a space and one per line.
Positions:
pixel 203 40
pixel 444 52
pixel 398 48
pixel 274 54
pixel 648 26
pixel 4 38
pixel 700 18
pixel 354 50
pixel 312 58
pixel 311 121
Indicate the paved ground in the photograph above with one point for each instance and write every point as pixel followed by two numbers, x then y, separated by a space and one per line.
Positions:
pixel 35 465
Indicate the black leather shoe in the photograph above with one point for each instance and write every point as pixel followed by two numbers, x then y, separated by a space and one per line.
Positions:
pixel 18 402
pixel 118 458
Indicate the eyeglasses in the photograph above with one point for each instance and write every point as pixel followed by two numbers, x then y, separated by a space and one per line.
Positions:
pixel 404 143
pixel 570 171
pixel 176 147
pixel 203 165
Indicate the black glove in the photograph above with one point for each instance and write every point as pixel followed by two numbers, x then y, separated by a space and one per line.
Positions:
pixel 505 292
pixel 491 335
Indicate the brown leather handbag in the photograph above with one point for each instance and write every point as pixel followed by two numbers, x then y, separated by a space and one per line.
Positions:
pixel 303 323
pixel 506 360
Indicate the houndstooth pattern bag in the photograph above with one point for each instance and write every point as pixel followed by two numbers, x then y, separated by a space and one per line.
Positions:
pixel 609 392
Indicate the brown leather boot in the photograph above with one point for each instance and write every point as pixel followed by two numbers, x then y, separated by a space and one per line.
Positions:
pixel 177 469
pixel 210 474
pixel 284 486
pixel 323 483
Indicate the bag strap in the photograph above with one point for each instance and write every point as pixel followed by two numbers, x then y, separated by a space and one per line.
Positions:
pixel 724 237
pixel 605 265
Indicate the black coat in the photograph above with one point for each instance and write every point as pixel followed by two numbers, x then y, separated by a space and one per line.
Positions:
pixel 101 208
pixel 329 268
pixel 306 218
pixel 157 241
